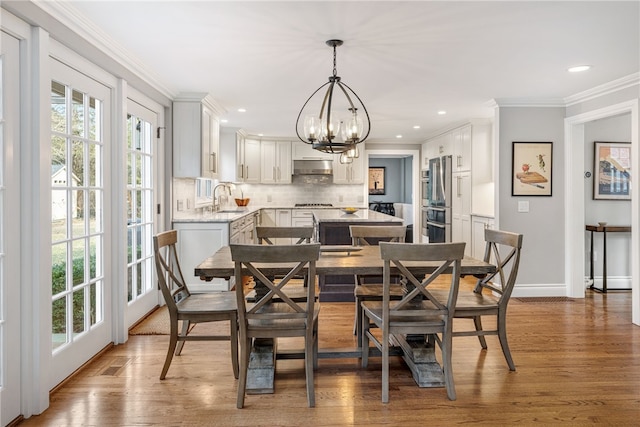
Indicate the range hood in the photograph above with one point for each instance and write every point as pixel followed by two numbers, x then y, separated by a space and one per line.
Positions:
pixel 312 167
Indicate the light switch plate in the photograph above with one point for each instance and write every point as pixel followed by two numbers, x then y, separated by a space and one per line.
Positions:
pixel 523 206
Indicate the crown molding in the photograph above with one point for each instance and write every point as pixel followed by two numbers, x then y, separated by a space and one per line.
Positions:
pixel 526 102
pixel 605 89
pixel 71 18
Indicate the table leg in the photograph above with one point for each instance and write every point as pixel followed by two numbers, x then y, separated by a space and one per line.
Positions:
pixel 591 264
pixel 419 354
pixel 604 260
pixel 262 366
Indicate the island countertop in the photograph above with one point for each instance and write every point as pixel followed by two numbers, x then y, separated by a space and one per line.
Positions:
pixel 363 215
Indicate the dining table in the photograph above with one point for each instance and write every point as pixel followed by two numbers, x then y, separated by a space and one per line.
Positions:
pixel 418 353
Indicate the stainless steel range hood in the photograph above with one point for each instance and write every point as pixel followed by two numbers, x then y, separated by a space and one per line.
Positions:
pixel 312 167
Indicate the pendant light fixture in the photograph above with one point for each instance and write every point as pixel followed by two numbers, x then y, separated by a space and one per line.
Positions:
pixel 338 126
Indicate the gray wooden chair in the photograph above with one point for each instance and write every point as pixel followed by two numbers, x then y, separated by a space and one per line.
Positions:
pixel 369 288
pixel 418 312
pixel 190 308
pixel 492 293
pixel 275 314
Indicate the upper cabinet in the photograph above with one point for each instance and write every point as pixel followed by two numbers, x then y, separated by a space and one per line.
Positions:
pixel 196 133
pixel 276 162
pixel 302 151
pixel 350 173
pixel 247 160
pixel 461 140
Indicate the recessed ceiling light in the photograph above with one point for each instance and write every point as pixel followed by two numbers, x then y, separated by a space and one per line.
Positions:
pixel 416 127
pixel 241 110
pixel 398 136
pixel 442 113
pixel 224 121
pixel 260 134
pixel 579 68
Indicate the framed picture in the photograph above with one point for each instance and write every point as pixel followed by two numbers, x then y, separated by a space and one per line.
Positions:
pixel 531 169
pixel 376 180
pixel 612 171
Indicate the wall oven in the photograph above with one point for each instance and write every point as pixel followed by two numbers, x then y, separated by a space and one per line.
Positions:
pixel 424 187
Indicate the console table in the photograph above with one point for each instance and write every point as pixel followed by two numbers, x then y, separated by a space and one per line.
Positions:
pixel 604 229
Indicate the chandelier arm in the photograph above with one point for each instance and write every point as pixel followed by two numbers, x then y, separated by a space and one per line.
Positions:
pixel 346 94
pixel 327 96
pixel 302 109
pixel 328 127
pixel 365 111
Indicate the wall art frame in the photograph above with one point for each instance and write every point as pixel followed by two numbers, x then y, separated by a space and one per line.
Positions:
pixel 532 169
pixel 612 170
pixel 377 180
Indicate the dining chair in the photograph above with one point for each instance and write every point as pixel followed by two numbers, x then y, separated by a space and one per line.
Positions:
pixel 491 294
pixel 418 312
pixel 190 308
pixel 266 235
pixel 275 314
pixel 369 288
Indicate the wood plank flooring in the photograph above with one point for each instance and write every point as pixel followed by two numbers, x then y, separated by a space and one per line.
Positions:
pixel 578 363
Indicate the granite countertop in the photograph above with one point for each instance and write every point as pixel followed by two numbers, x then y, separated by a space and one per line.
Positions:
pixel 336 215
pixel 230 215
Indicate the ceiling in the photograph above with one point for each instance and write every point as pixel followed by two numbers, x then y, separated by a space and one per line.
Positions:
pixel 406 60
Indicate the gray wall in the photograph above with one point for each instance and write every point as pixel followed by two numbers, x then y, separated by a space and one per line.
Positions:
pixel 397 179
pixel 543 226
pixel 615 212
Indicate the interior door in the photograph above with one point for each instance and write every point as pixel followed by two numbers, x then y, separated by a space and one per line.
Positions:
pixel 10 360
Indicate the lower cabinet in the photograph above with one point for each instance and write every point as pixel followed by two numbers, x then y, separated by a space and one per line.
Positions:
pixel 478 225
pixel 197 241
pixel 461 210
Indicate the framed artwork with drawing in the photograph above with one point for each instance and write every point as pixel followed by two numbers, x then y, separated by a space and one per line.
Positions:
pixel 612 171
pixel 376 180
pixel 531 169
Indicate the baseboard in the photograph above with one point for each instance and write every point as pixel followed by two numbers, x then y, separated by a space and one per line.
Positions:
pixel 613 282
pixel 540 290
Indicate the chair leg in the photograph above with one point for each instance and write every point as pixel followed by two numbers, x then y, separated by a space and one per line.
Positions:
pixel 358 322
pixel 364 348
pixel 309 346
pixel 385 365
pixel 446 362
pixel 477 321
pixel 245 349
pixel 315 346
pixel 185 331
pixel 234 344
pixel 502 335
pixel 173 339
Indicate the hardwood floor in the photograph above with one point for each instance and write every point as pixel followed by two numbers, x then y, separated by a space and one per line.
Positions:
pixel 578 363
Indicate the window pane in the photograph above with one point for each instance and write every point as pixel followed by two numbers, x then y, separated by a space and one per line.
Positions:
pixel 58 108
pixel 95 269
pixel 59 322
pixel 93 119
pixel 94 179
pixel 58 160
pixel 77 217
pixel 78 261
pixel 129 283
pixel 77 163
pixel 92 304
pixel 58 268
pixel 77 113
pixel 78 311
pixel 59 215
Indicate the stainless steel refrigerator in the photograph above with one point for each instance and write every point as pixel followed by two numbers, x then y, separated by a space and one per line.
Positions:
pixel 438 212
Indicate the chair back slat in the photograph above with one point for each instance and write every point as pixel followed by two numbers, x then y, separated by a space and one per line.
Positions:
pixel 266 235
pixel 365 235
pixel 503 249
pixel 170 278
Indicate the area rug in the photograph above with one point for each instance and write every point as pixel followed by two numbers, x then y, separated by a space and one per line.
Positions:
pixel 545 300
pixel 157 323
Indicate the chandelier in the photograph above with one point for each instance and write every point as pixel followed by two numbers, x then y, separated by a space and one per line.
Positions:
pixel 337 127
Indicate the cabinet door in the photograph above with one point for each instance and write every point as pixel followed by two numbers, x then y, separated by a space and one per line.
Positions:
pixel 302 151
pixel 251 161
pixel 210 141
pixel 268 217
pixel 462 149
pixel 187 139
pixel 268 167
pixel 196 241
pixel 461 210
pixel 283 162
pixel 351 173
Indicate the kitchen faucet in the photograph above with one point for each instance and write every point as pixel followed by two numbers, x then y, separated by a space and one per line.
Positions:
pixel 217 203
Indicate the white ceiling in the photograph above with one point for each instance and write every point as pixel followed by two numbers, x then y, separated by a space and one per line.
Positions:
pixel 406 60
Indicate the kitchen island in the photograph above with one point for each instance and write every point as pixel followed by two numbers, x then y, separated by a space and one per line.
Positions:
pixel 332 228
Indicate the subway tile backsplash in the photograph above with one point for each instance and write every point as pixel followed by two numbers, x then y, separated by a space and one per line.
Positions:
pixel 306 190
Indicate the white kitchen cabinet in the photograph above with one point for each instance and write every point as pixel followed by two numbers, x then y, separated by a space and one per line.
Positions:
pixel 267 217
pixel 196 134
pixel 247 160
pixel 275 165
pixel 461 140
pixel 461 210
pixel 350 173
pixel 478 225
pixel 242 231
pixel 197 241
pixel 301 218
pixel 302 151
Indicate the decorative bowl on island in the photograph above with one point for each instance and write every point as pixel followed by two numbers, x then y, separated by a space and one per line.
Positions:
pixel 242 202
pixel 349 210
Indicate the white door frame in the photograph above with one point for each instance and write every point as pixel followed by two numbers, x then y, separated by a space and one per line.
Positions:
pixel 574 201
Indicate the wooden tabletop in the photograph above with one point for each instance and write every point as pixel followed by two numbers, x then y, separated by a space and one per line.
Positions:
pixel 609 228
pixel 365 261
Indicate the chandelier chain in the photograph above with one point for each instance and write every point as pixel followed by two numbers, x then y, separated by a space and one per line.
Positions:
pixel 335 70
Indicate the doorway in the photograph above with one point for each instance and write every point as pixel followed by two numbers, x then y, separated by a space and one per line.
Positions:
pixel 575 217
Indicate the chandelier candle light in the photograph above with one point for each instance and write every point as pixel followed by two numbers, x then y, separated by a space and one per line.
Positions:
pixel 329 132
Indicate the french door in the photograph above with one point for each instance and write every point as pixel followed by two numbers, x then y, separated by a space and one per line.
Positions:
pixel 81 237
pixel 141 195
pixel 10 365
